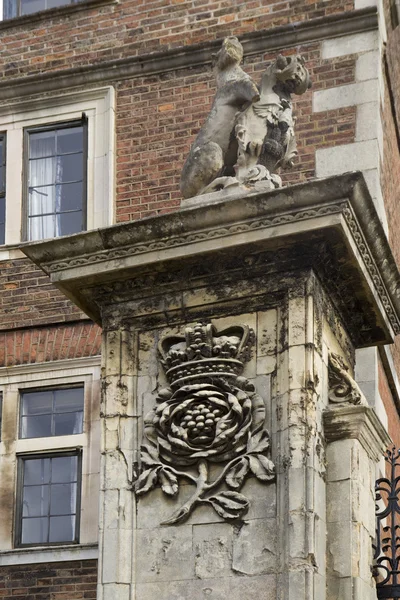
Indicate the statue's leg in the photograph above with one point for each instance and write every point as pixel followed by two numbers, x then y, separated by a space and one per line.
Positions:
pixel 202 166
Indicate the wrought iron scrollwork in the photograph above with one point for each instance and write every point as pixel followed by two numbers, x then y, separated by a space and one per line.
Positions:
pixel 387 548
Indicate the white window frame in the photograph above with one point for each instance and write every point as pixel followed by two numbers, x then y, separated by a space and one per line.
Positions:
pixel 13 380
pixel 98 107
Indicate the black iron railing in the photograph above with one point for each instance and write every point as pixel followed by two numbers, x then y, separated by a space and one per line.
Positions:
pixel 387 548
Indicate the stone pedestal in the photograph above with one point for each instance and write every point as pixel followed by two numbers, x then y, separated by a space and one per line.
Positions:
pixel 306 271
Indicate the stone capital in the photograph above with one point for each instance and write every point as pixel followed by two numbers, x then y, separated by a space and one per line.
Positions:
pixel 357 422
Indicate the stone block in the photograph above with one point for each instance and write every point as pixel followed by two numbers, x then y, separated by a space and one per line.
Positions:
pixel 265 365
pixel 117 556
pixel 262 499
pixel 341 96
pixel 297 321
pixel 349 157
pixel 339 501
pixel 234 588
pixel 212 545
pixel 367 66
pixel 255 547
pixel 338 456
pixel 164 554
pixel 113 591
pixel 350 44
pixel 267 333
pixel 367 115
pixel 339 549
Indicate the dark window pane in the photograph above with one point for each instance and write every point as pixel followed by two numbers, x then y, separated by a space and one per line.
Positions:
pixel 35 502
pixel 34 427
pixel 64 469
pixel 70 223
pixel 41 228
pixel 42 143
pixel 34 531
pixel 68 423
pixel 2 220
pixel 2 179
pixel 69 140
pixel 62 529
pixel 37 403
pixel 71 196
pixel 68 400
pixel 63 499
pixel 69 168
pixel 10 9
pixel 36 470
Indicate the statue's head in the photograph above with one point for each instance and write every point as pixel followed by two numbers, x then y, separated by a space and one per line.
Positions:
pixel 230 54
pixel 292 73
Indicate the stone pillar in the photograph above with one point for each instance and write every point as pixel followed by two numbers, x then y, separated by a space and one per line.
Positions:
pixel 356 441
pixel 119 442
pixel 250 310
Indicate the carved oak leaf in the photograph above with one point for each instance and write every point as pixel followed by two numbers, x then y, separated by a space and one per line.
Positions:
pixel 236 475
pixel 146 481
pixel 229 505
pixel 149 456
pixel 168 481
pixel 258 442
pixel 262 467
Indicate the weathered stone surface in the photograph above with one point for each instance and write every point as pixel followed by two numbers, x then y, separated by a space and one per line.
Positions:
pixel 234 588
pixel 255 548
pixel 164 555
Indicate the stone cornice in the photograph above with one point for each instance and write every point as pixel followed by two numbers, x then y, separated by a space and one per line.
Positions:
pixel 357 422
pixel 276 38
pixel 338 211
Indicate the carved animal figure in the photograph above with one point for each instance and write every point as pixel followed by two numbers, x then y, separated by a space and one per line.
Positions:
pixel 264 132
pixel 235 91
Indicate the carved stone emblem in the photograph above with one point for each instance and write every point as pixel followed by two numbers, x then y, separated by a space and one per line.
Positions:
pixel 209 414
pixel 342 387
pixel 249 132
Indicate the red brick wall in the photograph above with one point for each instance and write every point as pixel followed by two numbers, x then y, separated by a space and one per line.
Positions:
pixel 51 581
pixel 158 118
pixel 46 344
pixel 390 407
pixel 27 298
pixel 135 27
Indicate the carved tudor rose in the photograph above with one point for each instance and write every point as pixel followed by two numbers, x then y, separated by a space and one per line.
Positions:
pixel 209 414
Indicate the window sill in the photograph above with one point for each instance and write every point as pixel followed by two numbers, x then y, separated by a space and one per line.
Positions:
pixel 50 13
pixel 44 554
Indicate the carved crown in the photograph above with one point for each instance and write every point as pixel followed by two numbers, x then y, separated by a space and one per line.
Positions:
pixel 202 351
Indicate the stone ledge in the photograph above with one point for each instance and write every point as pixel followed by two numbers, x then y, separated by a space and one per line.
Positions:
pixel 361 423
pixel 292 225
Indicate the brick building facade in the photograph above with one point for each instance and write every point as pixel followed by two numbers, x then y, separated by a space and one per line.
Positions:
pixel 135 76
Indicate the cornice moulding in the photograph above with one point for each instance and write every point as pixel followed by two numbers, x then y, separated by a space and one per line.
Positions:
pixel 277 38
pixel 337 212
pixel 360 423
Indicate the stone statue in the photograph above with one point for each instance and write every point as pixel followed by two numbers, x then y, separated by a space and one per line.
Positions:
pixel 249 132
pixel 235 91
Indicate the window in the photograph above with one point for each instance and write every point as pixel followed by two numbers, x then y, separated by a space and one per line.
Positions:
pixel 17 8
pixel 60 166
pixel 56 183
pixel 46 413
pixel 48 499
pixel 2 188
